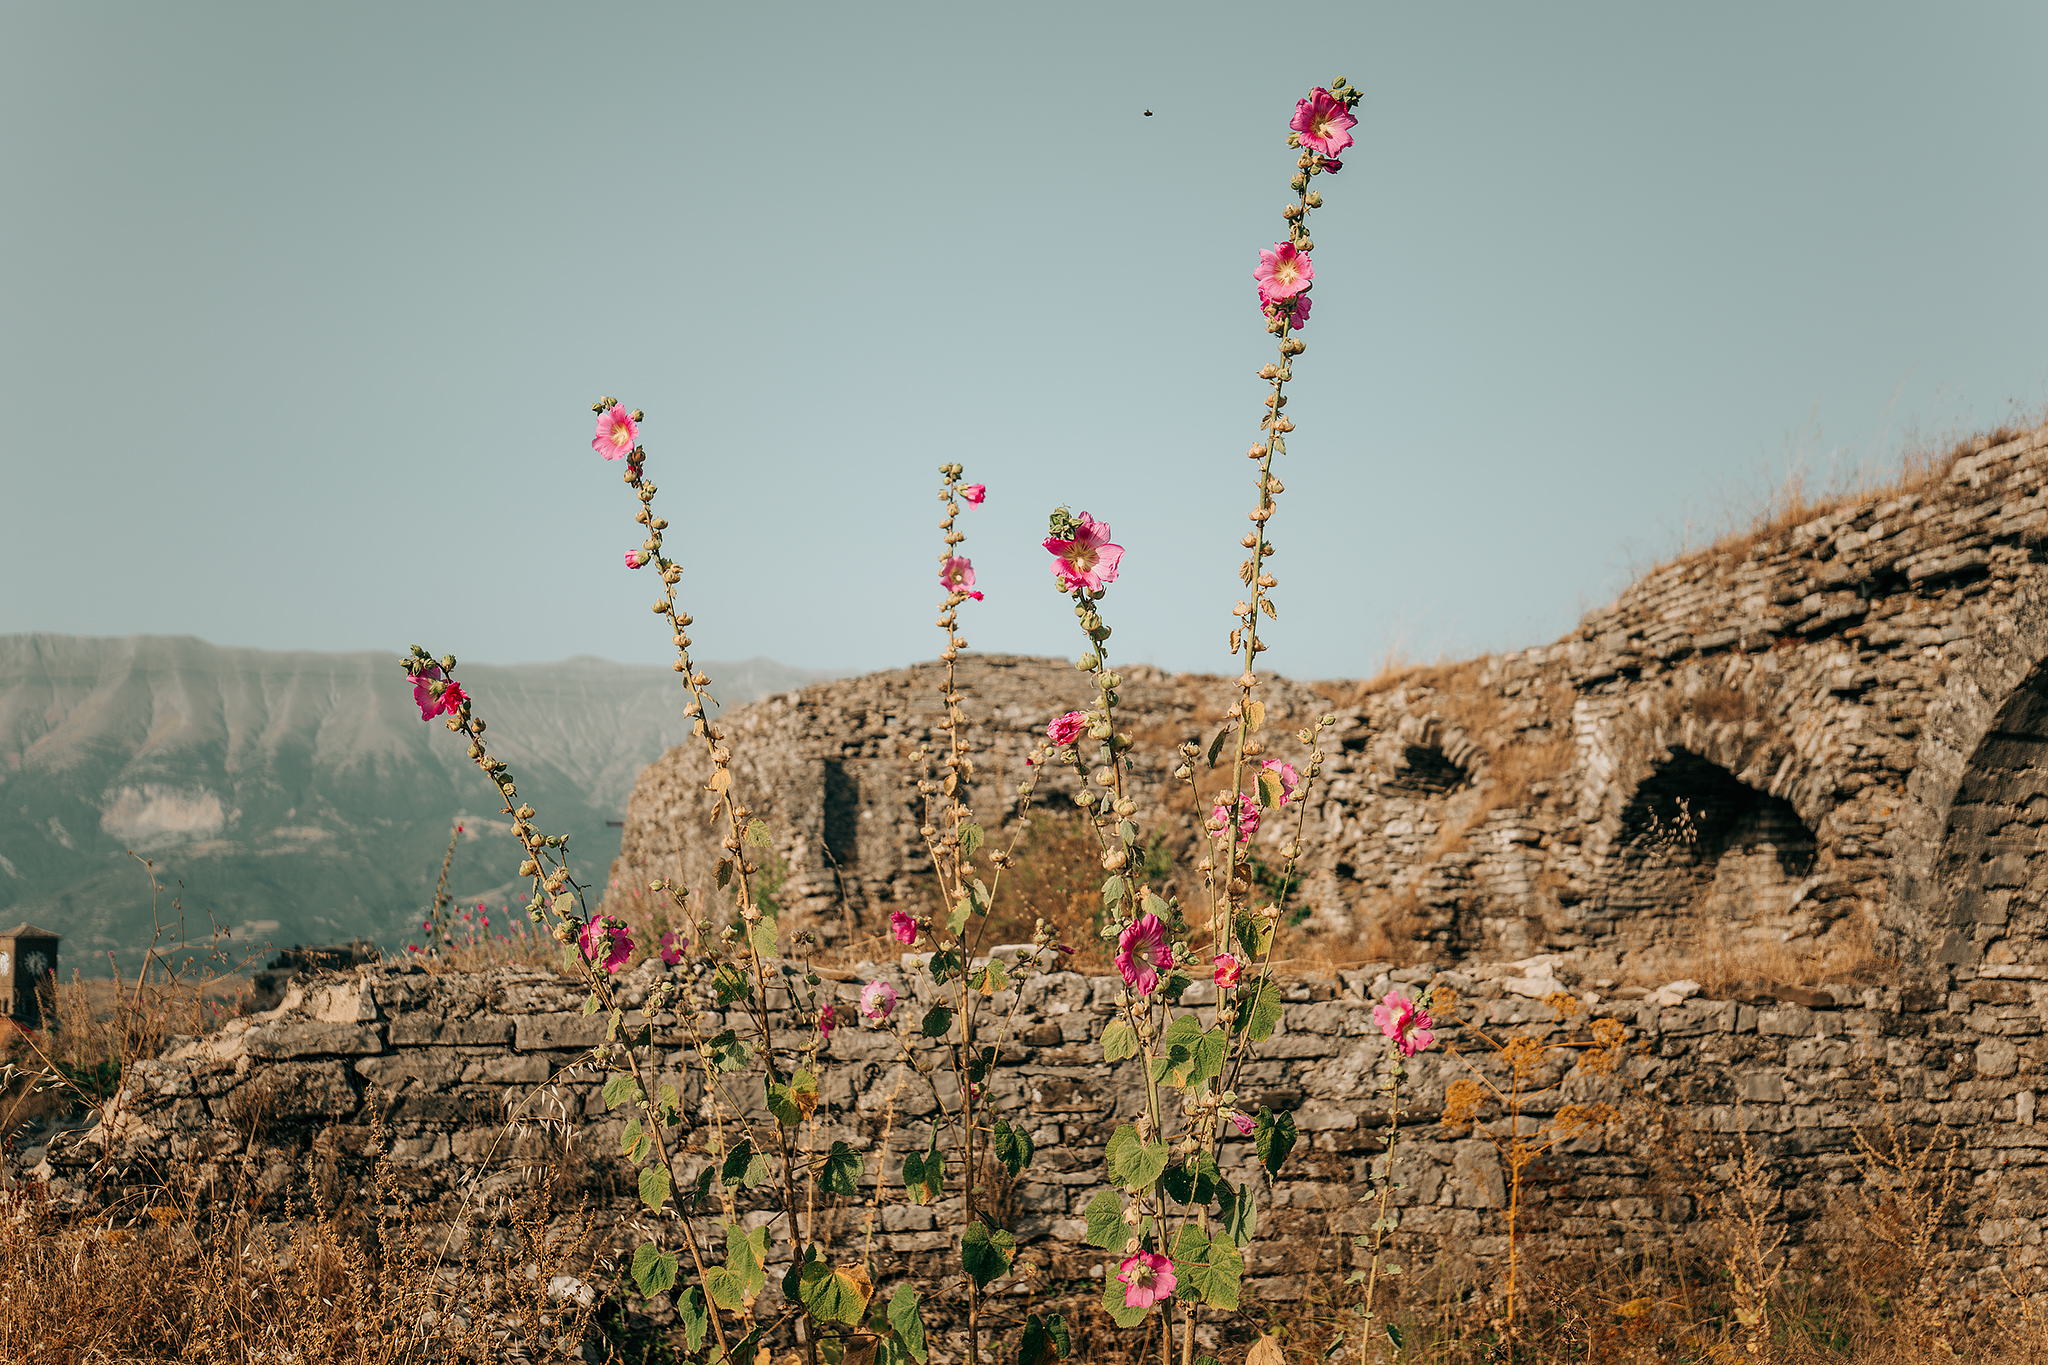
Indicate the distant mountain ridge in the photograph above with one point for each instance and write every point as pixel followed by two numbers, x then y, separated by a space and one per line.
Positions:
pixel 297 796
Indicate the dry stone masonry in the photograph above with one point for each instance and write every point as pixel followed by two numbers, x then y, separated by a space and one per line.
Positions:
pixel 1781 810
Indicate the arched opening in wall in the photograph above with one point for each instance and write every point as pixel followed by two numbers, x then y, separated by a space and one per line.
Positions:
pixel 1991 876
pixel 1708 869
pixel 1423 770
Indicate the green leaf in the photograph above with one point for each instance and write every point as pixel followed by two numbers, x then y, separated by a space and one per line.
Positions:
pixel 724 874
pixel 1045 1340
pixel 1014 1147
pixel 1135 1165
pixel 925 1176
pixel 725 1287
pixel 936 1021
pixel 746 1255
pixel 730 983
pixel 945 965
pixel 1254 933
pixel 1112 892
pixel 655 1186
pixel 1208 1178
pixel 1119 1041
pixel 621 1089
pixel 1274 1138
pixel 743 1351
pixel 963 910
pixel 743 1165
pixel 763 937
pixel 1176 982
pixel 654 1270
pixel 1206 1270
pixel 991 978
pixel 971 840
pixel 589 1004
pixel 1269 790
pixel 830 1294
pixel 1106 1221
pixel 982 898
pixel 782 1106
pixel 635 1144
pixel 1240 1212
pixel 697 1196
pixel 1113 1302
pixel 670 1105
pixel 1158 907
pixel 1259 1008
pixel 696 1316
pixel 908 1320
pixel 841 1173
pixel 729 1053
pixel 986 1252
pixel 1216 744
pixel 757 834
pixel 1179 1184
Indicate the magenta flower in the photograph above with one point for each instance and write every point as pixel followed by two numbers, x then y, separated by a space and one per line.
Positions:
pixel 616 433
pixel 1289 778
pixel 974 493
pixel 1243 1123
pixel 1067 728
pixel 1278 308
pixel 1247 816
pixel 1141 953
pixel 903 926
pixel 1282 272
pixel 1228 969
pixel 1147 1277
pixel 877 1000
pixel 605 941
pixel 638 559
pixel 1331 165
pixel 673 946
pixel 1089 560
pixel 1406 1027
pixel 957 575
pixel 825 1022
pixel 1324 122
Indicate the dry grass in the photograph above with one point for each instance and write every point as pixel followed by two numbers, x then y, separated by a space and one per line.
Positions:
pixel 1730 967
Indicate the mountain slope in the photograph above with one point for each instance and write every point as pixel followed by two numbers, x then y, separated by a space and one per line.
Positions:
pixel 297 797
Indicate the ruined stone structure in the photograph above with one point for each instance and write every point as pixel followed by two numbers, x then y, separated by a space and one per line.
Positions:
pixel 1809 771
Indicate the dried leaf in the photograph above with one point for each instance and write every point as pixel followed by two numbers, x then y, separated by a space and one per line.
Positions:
pixel 1266 1351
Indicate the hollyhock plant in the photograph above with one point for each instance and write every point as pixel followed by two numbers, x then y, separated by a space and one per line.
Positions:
pixel 617 433
pixel 451 698
pixel 903 926
pixel 1067 728
pixel 1228 969
pixel 1088 559
pixel 1243 1123
pixel 1141 953
pixel 1147 1277
pixel 1282 272
pixel 1247 816
pixel 638 559
pixel 974 493
pixel 957 574
pixel 673 946
pixel 1324 122
pixel 878 1000
pixel 825 1022
pixel 1406 1027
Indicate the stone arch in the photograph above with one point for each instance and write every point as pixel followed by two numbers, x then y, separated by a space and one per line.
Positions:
pixel 1989 901
pixel 1968 737
pixel 1697 851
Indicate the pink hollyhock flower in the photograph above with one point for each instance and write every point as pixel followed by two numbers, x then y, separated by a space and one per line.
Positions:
pixel 616 433
pixel 903 926
pixel 1289 778
pixel 1067 728
pixel 877 1000
pixel 974 493
pixel 825 1022
pixel 1331 165
pixel 1407 1027
pixel 638 559
pixel 1089 560
pixel 957 575
pixel 1147 1278
pixel 1282 272
pixel 423 691
pixel 673 946
pixel 1141 953
pixel 1324 122
pixel 605 941
pixel 1247 816
pixel 1297 319
pixel 426 927
pixel 452 698
pixel 1228 969
pixel 1243 1123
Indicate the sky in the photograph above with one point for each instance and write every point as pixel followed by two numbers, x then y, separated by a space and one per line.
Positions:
pixel 303 308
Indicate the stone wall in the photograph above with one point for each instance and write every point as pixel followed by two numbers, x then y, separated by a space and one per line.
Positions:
pixel 476 1083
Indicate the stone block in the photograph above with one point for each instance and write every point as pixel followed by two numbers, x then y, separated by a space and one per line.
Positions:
pixel 423 1028
pixel 282 1039
pixel 542 1032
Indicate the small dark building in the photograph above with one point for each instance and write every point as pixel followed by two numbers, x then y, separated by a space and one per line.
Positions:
pixel 28 972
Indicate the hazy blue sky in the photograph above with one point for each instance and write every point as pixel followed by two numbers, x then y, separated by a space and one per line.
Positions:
pixel 302 308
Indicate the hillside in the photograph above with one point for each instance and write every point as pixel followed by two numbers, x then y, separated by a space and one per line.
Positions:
pixel 297 797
